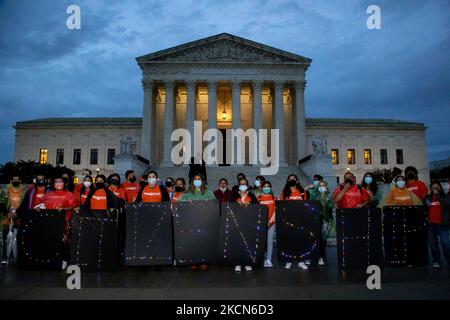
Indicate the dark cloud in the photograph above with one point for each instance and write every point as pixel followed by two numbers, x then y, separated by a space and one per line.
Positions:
pixel 400 71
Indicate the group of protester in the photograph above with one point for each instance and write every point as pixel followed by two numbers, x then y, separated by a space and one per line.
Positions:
pixel 108 193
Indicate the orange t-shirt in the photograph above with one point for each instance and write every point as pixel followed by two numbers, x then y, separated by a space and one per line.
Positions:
pixel 401 197
pixel 244 200
pixel 15 197
pixel 38 197
pixel 118 192
pixel 295 195
pixel 131 191
pixel 269 201
pixel 150 194
pixel 82 197
pixel 99 201
pixel 176 196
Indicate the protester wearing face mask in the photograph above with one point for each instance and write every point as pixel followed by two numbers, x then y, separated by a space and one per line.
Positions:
pixel 153 192
pixel 438 223
pixel 414 184
pixel 257 188
pixel 239 177
pixel 34 198
pixel 64 201
pixel 268 199
pixel 197 190
pixel 349 195
pixel 131 187
pixel 223 194
pixel 86 172
pixel 100 197
pixel 115 187
pixel 179 189
pixel 326 217
pixel 312 189
pixel 370 185
pixel 169 185
pixel 400 195
pixel 82 194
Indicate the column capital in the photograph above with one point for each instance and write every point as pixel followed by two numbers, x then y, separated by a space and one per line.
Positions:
pixel 236 84
pixel 257 84
pixel 147 85
pixel 300 85
pixel 278 84
pixel 191 85
pixel 212 84
pixel 169 84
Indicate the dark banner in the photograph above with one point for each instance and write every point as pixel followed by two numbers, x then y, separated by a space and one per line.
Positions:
pixel 94 243
pixel 195 226
pixel 243 234
pixel 358 237
pixel 298 230
pixel 149 239
pixel 40 239
pixel 405 235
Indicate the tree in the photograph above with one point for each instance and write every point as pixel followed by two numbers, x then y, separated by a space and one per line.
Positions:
pixel 28 170
pixel 382 176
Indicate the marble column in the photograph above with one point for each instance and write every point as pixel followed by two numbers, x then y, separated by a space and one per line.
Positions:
pixel 190 111
pixel 168 122
pixel 279 120
pixel 300 123
pixel 147 121
pixel 236 104
pixel 257 105
pixel 212 104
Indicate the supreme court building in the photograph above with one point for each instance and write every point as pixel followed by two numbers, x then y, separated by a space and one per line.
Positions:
pixel 223 81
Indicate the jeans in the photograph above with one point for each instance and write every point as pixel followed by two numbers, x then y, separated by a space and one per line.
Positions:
pixel 270 233
pixel 435 231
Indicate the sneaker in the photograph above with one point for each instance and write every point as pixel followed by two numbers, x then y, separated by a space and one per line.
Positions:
pixel 436 265
pixel 64 265
pixel 203 267
pixel 268 264
pixel 237 268
pixel 321 262
pixel 308 262
pixel 248 268
pixel 302 265
pixel 288 265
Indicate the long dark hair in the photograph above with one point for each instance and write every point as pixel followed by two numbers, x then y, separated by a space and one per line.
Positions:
pixel 83 188
pixel 373 186
pixel 287 188
pixel 202 187
pixel 271 190
pixel 441 191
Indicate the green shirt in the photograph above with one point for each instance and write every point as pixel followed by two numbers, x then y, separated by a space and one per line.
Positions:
pixel 198 195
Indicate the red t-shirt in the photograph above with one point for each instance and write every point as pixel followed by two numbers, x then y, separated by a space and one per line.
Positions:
pixel 131 191
pixel 99 201
pixel 244 200
pixel 58 199
pixel 352 198
pixel 82 197
pixel 176 196
pixel 150 194
pixel 419 188
pixel 435 212
pixel 38 197
pixel 295 195
pixel 118 191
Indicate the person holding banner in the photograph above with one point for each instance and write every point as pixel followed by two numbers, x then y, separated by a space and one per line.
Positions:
pixel 239 177
pixel 153 192
pixel 268 199
pixel 401 196
pixel 371 186
pixel 179 189
pixel 86 172
pixel 100 197
pixel 438 223
pixel 198 190
pixel 35 195
pixel 131 187
pixel 349 195
pixel 243 197
pixel 414 184
pixel 223 194
pixel 293 191
pixel 82 193
pixel 64 201
pixel 326 217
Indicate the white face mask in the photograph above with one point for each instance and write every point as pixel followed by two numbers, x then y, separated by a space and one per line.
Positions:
pixel 87 184
pixel 223 189
pixel 152 181
pixel 243 188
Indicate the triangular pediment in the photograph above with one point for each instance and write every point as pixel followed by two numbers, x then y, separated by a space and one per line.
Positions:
pixel 223 47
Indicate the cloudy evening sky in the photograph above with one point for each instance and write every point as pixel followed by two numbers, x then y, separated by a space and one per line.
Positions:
pixel 401 71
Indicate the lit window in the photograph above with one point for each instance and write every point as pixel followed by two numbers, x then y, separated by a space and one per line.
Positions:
pixel 367 156
pixel 335 156
pixel 43 154
pixel 351 156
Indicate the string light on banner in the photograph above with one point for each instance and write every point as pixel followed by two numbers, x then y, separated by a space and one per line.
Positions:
pixel 311 235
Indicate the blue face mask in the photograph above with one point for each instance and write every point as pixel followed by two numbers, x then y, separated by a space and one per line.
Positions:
pixel 400 184
pixel 316 183
pixel 368 180
pixel 243 188
pixel 197 183
pixel 322 189
pixel 257 183
pixel 266 190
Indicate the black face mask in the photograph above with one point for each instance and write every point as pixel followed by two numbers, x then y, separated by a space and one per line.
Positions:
pixel 349 181
pixel 133 179
pixel 292 183
pixel 169 184
pixel 114 182
pixel 15 183
pixel 40 182
pixel 411 176
pixel 100 185
pixel 179 189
